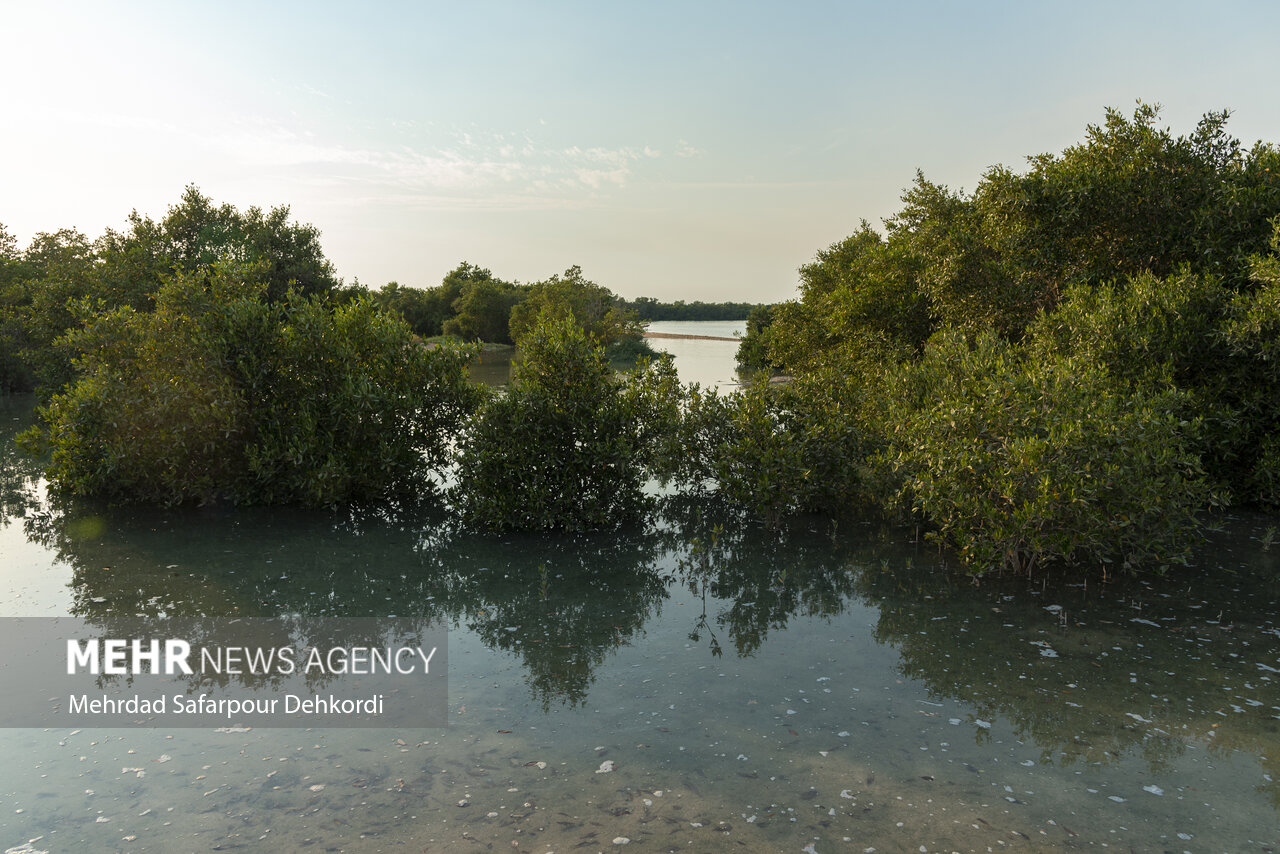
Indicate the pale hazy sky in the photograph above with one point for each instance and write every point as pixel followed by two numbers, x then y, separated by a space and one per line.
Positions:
pixel 678 150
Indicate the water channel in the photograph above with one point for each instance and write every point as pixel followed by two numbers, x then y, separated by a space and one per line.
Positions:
pixel 700 685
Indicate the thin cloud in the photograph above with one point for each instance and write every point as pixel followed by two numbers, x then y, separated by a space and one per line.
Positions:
pixel 485 166
pixel 595 178
pixel 474 170
pixel 684 149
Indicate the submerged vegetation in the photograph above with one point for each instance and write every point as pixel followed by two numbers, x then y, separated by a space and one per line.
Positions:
pixel 1069 365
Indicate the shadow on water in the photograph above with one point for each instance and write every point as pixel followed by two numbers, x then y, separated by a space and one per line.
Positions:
pixel 1090 672
pixel 1094 673
pixel 20 473
pixel 560 606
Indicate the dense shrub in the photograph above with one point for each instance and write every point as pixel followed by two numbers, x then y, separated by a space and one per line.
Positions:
pixel 1214 341
pixel 561 449
pixel 1065 365
pixel 41 286
pixel 772 449
pixel 220 394
pixel 1251 333
pixel 594 308
pixel 759 461
pixel 630 350
pixel 1151 333
pixel 684 446
pixel 656 400
pixel 1131 199
pixel 355 409
pixel 794 447
pixel 1142 330
pixel 1018 462
pixel 753 351
pixel 862 291
pixel 482 311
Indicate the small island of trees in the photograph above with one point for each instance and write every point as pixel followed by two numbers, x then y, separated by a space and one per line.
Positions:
pixel 1069 366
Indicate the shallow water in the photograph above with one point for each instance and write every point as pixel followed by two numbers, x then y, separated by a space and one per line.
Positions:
pixel 710 364
pixel 695 686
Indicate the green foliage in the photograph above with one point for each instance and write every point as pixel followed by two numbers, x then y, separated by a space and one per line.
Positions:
pixel 196 233
pixel 630 350
pixel 686 440
pixel 427 310
pixel 753 352
pixel 774 449
pixel 648 308
pixel 1067 365
pixel 860 293
pixel 562 448
pixel 63 278
pixel 1251 332
pixel 1145 330
pixel 1131 199
pixel 412 304
pixel 1020 462
pixel 153 412
pixel 592 307
pixel 55 274
pixel 1151 333
pixel 760 462
pixel 1193 332
pixel 482 310
pixel 944 240
pixel 1101 349
pixel 221 394
pixel 356 409
pixel 15 375
pixel 798 447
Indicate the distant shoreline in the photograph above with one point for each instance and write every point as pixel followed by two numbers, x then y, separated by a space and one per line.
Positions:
pixel 690 337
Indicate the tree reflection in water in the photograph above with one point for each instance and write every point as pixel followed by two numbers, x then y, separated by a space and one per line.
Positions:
pixel 1091 673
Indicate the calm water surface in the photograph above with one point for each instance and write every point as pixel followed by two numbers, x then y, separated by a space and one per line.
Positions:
pixel 710 364
pixel 828 689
